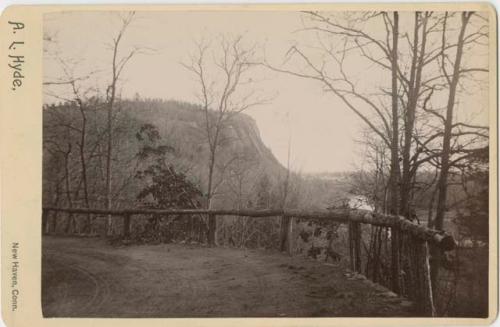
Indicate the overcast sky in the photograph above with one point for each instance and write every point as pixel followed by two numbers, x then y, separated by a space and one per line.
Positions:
pixel 322 130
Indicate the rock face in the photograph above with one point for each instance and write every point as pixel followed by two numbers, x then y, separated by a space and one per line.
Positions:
pixel 183 125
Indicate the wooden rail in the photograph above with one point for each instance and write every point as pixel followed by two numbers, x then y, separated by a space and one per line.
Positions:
pixel 439 238
pixel 409 257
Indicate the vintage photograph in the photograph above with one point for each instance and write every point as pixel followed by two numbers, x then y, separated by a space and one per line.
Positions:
pixel 265 163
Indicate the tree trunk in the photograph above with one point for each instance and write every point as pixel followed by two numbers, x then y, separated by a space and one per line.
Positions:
pixel 68 189
pixel 413 95
pixel 83 164
pixel 445 156
pixel 108 169
pixel 55 214
pixel 394 187
pixel 436 255
pixel 212 222
pixel 211 166
pixel 117 67
pixel 109 144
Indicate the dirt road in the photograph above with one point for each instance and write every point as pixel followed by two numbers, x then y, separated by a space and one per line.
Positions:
pixel 85 277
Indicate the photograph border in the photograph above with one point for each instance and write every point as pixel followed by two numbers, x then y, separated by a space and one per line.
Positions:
pixel 21 170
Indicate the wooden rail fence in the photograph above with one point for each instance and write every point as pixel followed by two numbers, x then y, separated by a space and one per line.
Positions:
pixel 409 242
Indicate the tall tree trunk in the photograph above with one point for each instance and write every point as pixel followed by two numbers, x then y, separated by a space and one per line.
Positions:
pixel 211 218
pixel 109 149
pixel 83 163
pixel 211 168
pixel 394 183
pixel 109 144
pixel 69 222
pixel 445 156
pixel 117 68
pixel 213 144
pixel 55 214
pixel 442 185
pixel 413 95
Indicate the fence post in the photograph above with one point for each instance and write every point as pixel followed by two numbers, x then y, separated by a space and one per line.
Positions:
pixel 395 258
pixel 355 245
pixel 351 245
pixel 284 233
pixel 289 237
pixel 212 227
pixel 126 226
pixel 428 301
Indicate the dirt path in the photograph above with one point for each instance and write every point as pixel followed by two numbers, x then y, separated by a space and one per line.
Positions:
pixel 87 278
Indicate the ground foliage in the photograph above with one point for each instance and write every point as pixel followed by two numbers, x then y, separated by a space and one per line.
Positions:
pixel 165 187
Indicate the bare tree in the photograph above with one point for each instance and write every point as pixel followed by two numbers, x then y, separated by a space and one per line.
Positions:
pixel 412 58
pixel 373 175
pixel 239 175
pixel 335 41
pixel 394 179
pixel 221 101
pixel 226 89
pixel 445 156
pixel 118 63
pixel 445 163
pixel 79 95
pixel 61 151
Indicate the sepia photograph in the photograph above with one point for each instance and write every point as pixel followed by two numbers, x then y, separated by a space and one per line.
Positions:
pixel 266 163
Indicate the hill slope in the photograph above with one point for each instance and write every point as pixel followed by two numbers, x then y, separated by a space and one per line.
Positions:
pixel 183 125
pixel 180 125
